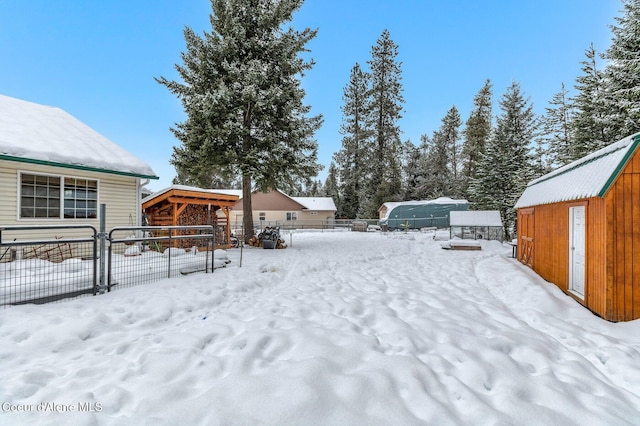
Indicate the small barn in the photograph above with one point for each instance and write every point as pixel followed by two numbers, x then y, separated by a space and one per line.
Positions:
pixel 181 205
pixel 476 225
pixel 419 214
pixel 579 228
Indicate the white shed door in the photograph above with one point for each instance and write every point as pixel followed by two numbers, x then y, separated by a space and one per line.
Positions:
pixel 577 256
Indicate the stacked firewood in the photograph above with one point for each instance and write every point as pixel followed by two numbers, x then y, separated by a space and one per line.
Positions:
pixel 269 238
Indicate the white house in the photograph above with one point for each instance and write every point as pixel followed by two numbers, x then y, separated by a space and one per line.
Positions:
pixel 55 170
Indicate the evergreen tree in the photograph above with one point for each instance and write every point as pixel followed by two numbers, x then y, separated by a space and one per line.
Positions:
pixel 425 179
pixel 557 130
pixel 386 108
pixel 450 133
pixel 439 177
pixel 476 135
pixel 331 189
pixel 202 177
pixel 412 163
pixel 352 159
pixel 590 127
pixel 623 74
pixel 241 94
pixel 505 168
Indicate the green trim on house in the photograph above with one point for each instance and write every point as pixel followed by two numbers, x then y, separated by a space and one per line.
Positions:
pixel 74 166
pixel 620 167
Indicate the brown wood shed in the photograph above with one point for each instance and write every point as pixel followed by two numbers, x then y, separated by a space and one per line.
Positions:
pixel 579 228
pixel 184 205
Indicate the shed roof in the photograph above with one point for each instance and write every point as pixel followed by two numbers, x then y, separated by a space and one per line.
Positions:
pixel 189 194
pixel 41 134
pixel 309 203
pixel 587 177
pixel 475 218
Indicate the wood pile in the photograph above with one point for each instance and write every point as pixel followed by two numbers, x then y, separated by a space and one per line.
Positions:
pixel 269 238
pixel 256 242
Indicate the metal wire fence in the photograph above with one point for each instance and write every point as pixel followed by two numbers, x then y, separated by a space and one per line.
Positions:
pixel 42 270
pixel 45 270
pixel 141 255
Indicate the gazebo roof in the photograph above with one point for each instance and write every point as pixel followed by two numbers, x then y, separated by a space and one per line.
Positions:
pixel 180 194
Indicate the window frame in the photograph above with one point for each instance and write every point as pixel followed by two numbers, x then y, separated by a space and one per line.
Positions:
pixel 83 203
pixel 291 216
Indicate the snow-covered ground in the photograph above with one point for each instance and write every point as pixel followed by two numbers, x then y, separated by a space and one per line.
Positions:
pixel 340 328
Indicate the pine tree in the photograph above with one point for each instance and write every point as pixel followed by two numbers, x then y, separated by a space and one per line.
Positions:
pixel 438 183
pixel 352 159
pixel 505 167
pixel 622 74
pixel 331 189
pixel 203 178
pixel 386 108
pixel 438 177
pixel 476 135
pixel 425 175
pixel 557 130
pixel 450 132
pixel 241 94
pixel 412 159
pixel 590 127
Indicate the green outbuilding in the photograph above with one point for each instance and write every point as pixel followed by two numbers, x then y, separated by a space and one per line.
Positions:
pixel 419 214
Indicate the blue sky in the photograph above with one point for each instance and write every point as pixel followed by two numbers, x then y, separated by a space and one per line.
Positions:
pixel 97 59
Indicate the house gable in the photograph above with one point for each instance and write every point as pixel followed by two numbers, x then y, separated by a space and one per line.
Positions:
pixel 43 135
pixel 274 200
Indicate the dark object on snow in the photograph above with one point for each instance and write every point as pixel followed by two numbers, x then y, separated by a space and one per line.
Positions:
pixel 269 237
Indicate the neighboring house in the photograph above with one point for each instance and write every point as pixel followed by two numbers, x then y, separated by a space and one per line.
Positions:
pixel 55 170
pixel 476 225
pixel 419 214
pixel 578 227
pixel 275 208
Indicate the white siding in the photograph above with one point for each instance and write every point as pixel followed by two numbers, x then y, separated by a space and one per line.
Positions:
pixel 118 193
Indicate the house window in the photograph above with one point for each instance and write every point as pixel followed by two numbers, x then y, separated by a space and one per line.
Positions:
pixel 39 196
pixel 263 216
pixel 292 215
pixel 43 196
pixel 80 198
pixel 313 213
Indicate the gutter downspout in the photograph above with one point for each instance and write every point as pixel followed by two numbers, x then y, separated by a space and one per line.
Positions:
pixel 141 184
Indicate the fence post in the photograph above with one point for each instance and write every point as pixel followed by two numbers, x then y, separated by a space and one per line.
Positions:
pixel 169 253
pixel 102 235
pixel 213 249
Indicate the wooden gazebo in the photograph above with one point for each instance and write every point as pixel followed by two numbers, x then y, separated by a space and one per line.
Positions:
pixel 184 205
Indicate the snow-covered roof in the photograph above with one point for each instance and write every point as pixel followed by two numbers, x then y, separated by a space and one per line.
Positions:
pixel 310 203
pixel 316 203
pixel 44 134
pixel 442 200
pixel 475 218
pixel 587 177
pixel 237 192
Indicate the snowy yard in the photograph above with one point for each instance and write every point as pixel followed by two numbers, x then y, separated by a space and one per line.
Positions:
pixel 342 328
